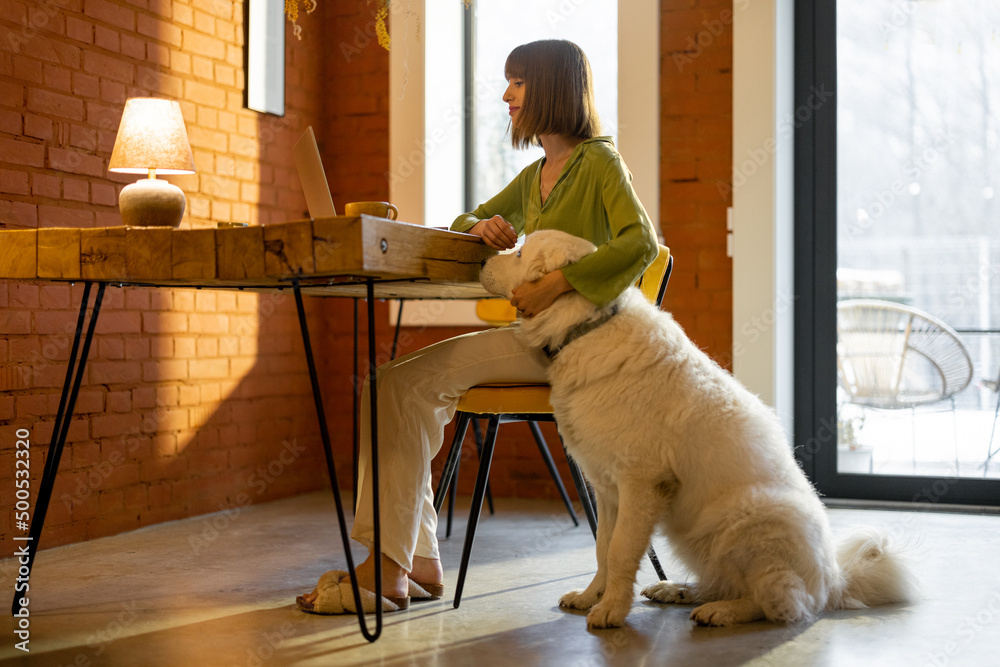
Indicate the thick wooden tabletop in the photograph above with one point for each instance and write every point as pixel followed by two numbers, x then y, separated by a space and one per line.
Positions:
pixel 332 256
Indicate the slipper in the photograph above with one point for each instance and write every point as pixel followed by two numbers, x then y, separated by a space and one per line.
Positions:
pixel 335 597
pixel 420 592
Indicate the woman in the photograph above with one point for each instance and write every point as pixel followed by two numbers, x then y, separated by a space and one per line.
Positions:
pixel 580 186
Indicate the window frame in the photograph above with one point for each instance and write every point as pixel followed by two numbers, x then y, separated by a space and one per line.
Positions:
pixel 815 435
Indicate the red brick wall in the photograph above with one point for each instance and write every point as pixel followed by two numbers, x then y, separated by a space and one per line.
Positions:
pixel 193 401
pixel 209 388
pixel 696 86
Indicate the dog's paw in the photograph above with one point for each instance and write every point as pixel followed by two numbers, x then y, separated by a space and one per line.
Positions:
pixel 579 599
pixel 710 614
pixel 607 615
pixel 727 612
pixel 669 592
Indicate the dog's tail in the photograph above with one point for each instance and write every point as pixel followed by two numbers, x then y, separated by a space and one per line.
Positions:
pixel 874 572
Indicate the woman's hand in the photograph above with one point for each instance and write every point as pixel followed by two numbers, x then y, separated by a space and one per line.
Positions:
pixel 496 233
pixel 534 297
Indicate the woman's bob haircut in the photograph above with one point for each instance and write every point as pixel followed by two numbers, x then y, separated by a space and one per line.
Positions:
pixel 558 92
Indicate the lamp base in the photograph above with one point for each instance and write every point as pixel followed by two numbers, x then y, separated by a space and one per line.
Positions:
pixel 151 202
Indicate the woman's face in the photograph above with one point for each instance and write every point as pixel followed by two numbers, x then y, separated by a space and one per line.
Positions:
pixel 514 97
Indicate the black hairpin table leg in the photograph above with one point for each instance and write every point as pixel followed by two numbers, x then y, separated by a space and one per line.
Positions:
pixel 355 390
pixel 331 467
pixel 71 388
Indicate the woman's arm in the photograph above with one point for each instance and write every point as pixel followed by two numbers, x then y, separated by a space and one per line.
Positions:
pixel 534 297
pixel 618 263
pixel 495 232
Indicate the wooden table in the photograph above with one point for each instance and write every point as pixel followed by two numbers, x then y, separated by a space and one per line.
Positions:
pixel 332 256
pixel 342 256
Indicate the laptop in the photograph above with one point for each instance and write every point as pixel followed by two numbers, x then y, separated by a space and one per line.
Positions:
pixel 313 176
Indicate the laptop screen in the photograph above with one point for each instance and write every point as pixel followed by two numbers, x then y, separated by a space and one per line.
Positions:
pixel 313 177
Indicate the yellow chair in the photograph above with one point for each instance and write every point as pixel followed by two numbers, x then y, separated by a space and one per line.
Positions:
pixel 512 402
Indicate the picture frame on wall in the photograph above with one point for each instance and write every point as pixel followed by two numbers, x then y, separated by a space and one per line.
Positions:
pixel 264 56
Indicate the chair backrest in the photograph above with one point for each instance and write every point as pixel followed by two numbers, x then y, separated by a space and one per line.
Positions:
pixel 894 356
pixel 652 284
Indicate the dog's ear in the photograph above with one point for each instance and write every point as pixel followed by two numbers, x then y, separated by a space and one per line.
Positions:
pixel 543 255
pixel 540 263
pixel 550 249
pixel 554 258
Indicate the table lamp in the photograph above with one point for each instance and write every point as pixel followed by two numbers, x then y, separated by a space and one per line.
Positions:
pixel 151 138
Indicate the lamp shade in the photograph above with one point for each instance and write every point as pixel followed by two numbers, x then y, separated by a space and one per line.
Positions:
pixel 152 136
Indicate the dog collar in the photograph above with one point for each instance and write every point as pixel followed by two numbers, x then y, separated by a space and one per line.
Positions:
pixel 580 330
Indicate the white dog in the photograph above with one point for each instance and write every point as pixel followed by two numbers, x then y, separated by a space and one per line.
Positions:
pixel 668 438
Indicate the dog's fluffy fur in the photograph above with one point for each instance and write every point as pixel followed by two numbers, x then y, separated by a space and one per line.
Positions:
pixel 668 438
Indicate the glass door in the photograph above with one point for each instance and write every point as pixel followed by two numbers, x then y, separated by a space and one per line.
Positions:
pixel 898 248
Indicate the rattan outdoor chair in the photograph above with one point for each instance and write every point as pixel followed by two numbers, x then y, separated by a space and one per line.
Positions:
pixel 891 356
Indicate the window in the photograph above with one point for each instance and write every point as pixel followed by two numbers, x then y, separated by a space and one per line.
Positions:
pixel 264 56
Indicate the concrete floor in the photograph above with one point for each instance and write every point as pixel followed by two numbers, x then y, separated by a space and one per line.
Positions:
pixel 220 589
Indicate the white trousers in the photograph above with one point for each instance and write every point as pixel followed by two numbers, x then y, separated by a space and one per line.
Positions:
pixel 417 397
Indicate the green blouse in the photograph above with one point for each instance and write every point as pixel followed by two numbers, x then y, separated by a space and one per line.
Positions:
pixel 593 198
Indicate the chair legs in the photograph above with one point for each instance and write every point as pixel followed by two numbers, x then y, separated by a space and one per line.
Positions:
pixel 656 564
pixel 477 503
pixel 990 452
pixel 477 435
pixel 954 428
pixel 479 493
pixel 547 457
pixel 451 463
pixel 451 489
pixel 584 493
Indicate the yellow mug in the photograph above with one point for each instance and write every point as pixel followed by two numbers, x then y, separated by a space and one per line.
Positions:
pixel 380 209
